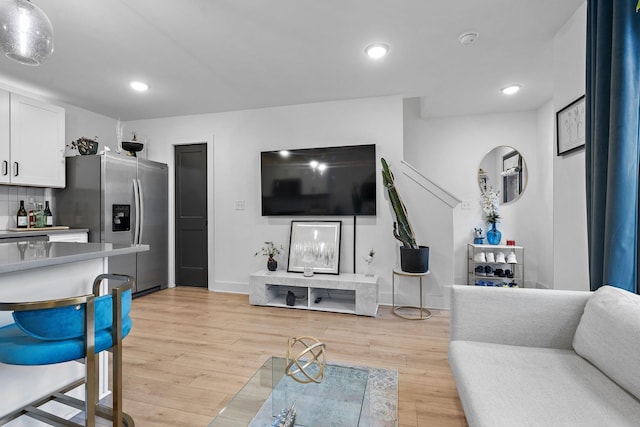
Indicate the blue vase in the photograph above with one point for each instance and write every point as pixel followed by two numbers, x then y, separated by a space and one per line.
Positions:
pixel 494 235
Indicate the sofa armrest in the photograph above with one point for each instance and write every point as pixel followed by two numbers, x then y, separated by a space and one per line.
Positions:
pixel 526 317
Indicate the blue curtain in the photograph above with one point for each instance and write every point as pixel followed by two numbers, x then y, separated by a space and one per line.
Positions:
pixel 612 142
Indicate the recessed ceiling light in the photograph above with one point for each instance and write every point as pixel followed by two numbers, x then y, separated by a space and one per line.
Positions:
pixel 466 39
pixel 511 89
pixel 377 50
pixel 139 86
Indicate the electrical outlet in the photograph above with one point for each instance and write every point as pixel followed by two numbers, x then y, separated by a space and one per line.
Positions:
pixel 466 204
pixel 239 205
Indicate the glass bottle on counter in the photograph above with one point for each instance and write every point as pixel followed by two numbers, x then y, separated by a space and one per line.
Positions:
pixel 39 213
pixel 22 217
pixel 48 216
pixel 32 216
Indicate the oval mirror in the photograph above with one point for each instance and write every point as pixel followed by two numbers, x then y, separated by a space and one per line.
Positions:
pixel 505 170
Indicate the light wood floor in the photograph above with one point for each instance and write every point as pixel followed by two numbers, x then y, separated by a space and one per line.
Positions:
pixel 191 350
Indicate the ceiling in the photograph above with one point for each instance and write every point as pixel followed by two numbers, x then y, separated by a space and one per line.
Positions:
pixel 203 56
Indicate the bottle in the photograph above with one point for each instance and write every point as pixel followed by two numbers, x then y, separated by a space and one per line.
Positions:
pixel 23 219
pixel 48 216
pixel 32 217
pixel 39 216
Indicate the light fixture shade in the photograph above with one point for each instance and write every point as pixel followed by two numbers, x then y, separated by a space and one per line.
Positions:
pixel 26 34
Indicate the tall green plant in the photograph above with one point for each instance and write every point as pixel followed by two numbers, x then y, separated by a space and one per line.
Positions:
pixel 401 227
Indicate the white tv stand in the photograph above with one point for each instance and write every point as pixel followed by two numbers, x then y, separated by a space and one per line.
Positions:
pixel 342 293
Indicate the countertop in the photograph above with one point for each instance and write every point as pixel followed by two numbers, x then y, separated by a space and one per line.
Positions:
pixel 18 256
pixel 4 234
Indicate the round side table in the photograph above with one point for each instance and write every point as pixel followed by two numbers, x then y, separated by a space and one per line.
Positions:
pixel 424 313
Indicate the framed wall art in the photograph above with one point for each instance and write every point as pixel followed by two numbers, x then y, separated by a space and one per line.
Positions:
pixel 315 245
pixel 571 127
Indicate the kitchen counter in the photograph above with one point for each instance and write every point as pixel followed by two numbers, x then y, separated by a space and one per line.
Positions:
pixel 6 234
pixel 19 256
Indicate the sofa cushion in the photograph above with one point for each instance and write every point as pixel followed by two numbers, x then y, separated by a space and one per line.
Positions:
pixel 608 336
pixel 504 385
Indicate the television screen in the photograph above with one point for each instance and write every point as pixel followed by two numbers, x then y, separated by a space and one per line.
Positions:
pixel 331 181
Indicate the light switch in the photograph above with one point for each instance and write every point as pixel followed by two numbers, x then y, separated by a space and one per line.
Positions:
pixel 466 204
pixel 239 205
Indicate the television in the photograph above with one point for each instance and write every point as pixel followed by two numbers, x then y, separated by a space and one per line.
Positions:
pixel 327 181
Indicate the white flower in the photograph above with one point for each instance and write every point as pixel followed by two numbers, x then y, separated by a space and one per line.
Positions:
pixel 490 201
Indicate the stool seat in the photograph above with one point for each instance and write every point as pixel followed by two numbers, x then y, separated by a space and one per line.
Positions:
pixel 18 348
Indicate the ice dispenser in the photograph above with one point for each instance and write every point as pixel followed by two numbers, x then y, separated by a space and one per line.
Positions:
pixel 121 217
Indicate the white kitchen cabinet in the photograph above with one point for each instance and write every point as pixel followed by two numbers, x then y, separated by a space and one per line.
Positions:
pixel 37 141
pixel 5 153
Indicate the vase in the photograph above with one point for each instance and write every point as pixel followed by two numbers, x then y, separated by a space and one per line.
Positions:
pixel 414 260
pixel 89 149
pixel 494 235
pixel 272 265
pixel 369 269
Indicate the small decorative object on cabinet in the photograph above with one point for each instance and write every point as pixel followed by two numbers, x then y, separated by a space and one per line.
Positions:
pixel 85 146
pixel 369 260
pixel 495 265
pixel 270 250
pixel 490 201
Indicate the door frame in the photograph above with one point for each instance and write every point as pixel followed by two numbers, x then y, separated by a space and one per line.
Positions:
pixel 210 211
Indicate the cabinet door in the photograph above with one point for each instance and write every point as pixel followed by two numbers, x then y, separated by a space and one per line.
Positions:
pixel 37 143
pixel 5 160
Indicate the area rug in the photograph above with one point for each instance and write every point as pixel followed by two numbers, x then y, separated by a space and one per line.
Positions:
pixel 379 405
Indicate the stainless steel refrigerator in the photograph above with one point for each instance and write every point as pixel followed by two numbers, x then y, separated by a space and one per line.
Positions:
pixel 120 199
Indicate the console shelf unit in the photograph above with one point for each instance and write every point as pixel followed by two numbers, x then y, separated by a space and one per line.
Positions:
pixel 517 268
pixel 342 293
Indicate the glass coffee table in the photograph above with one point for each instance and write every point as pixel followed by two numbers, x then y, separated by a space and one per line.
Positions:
pixel 337 401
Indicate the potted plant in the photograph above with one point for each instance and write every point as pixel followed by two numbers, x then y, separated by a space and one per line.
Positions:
pixel 490 201
pixel 85 146
pixel 413 257
pixel 270 250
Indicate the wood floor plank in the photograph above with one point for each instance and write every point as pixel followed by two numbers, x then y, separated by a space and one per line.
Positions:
pixel 191 350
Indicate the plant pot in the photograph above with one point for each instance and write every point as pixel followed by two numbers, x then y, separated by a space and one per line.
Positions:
pixel 414 260
pixel 272 265
pixel 92 148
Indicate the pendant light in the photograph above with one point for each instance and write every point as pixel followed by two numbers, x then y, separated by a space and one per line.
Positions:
pixel 26 33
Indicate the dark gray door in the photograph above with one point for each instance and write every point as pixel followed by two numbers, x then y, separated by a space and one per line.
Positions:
pixel 191 215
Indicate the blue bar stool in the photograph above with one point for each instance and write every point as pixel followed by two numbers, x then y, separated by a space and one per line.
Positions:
pixel 63 330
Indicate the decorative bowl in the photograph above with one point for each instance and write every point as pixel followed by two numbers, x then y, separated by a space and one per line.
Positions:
pixel 132 146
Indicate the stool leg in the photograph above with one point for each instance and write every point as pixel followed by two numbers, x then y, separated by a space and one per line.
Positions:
pixel 90 396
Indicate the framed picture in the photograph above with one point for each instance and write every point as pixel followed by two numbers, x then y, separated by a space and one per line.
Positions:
pixel 571 127
pixel 316 245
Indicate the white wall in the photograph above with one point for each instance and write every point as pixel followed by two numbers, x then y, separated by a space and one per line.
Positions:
pixel 569 192
pixel 449 151
pixel 236 140
pixel 544 204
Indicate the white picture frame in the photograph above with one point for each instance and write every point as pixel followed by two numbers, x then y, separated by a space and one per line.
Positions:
pixel 315 245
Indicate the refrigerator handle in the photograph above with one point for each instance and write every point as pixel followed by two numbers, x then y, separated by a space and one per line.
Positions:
pixel 136 199
pixel 141 216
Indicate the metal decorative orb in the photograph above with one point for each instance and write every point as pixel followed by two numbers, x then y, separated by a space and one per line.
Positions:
pixel 306 359
pixel 26 33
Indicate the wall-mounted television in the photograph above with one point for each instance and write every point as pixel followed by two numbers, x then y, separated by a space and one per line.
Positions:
pixel 327 181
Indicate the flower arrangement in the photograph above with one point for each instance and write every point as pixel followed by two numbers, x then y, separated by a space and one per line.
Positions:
pixel 369 258
pixel 269 250
pixel 490 200
pixel 85 145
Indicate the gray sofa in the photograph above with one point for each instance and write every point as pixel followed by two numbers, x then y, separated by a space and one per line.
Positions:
pixel 529 357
